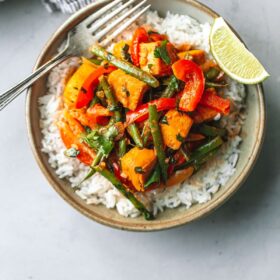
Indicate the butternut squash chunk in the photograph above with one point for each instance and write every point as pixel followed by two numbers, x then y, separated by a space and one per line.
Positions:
pixel 70 131
pixel 75 83
pixel 137 165
pixel 128 90
pixel 198 56
pixel 118 49
pixel 175 129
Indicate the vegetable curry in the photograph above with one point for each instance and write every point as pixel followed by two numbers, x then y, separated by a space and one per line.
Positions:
pixel 142 116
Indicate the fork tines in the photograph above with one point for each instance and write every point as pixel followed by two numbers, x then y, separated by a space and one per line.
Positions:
pixel 115 17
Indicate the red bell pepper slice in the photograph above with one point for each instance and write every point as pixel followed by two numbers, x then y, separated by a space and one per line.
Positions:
pixel 117 171
pixel 203 113
pixel 192 75
pixel 70 130
pixel 98 115
pixel 140 36
pixel 154 36
pixel 142 112
pixel 212 100
pixel 86 92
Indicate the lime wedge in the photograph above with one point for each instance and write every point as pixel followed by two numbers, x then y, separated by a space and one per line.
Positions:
pixel 233 57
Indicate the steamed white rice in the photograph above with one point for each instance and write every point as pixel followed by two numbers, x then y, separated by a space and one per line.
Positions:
pixel 97 190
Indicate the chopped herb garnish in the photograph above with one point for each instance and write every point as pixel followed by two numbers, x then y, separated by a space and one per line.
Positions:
pixel 150 66
pixel 139 169
pixel 152 32
pixel 154 177
pixel 95 61
pixel 180 138
pixel 125 54
pixel 106 65
pixel 102 140
pixel 87 129
pixel 162 53
pixel 83 90
pixel 125 48
pixel 115 108
pixel 126 91
pixel 72 152
pixel 164 120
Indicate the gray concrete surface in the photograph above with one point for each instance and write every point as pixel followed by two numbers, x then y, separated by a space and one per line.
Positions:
pixel 41 237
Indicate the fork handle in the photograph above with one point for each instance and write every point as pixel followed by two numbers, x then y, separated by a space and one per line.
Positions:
pixel 12 93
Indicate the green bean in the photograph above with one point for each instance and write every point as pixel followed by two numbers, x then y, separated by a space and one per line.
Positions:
pixel 110 97
pixel 134 133
pixel 94 101
pixel 126 66
pixel 211 130
pixel 172 87
pixel 197 164
pixel 122 148
pixel 154 177
pixel 96 161
pixel 146 133
pixel 146 138
pixel 212 74
pixel 201 152
pixel 95 61
pixel 215 85
pixel 209 146
pixel 122 189
pixel 157 138
pixel 103 143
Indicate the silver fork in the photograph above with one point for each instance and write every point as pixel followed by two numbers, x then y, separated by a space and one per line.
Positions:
pixel 82 36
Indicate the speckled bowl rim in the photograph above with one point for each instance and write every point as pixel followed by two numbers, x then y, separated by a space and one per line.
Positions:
pixel 161 225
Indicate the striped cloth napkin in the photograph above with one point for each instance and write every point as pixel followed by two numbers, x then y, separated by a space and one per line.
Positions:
pixel 65 6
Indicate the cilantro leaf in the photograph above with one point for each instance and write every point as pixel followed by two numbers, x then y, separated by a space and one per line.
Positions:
pixel 125 54
pixel 150 66
pixel 154 177
pixel 102 141
pixel 180 138
pixel 162 53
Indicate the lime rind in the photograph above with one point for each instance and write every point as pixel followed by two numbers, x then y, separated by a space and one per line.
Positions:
pixel 232 55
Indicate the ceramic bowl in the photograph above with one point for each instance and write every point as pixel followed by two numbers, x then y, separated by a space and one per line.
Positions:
pixel 253 130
